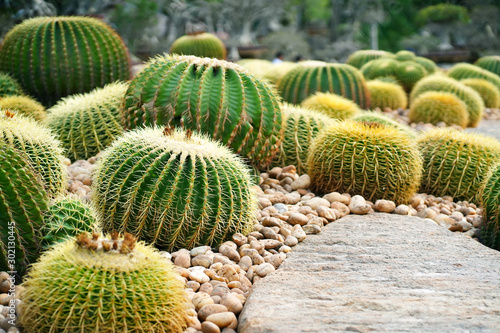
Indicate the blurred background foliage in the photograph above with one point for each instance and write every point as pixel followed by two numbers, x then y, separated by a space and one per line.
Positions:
pixel 322 29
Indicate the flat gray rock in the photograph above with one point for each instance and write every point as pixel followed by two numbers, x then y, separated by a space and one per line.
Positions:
pixel 380 273
pixel 488 127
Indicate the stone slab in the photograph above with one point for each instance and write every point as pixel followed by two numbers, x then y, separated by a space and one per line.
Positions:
pixel 380 273
pixel 488 127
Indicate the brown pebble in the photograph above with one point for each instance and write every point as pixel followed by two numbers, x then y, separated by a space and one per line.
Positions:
pixel 209 327
pixel 210 309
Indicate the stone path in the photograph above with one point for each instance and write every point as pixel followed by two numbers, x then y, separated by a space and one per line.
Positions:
pixel 380 273
pixel 489 127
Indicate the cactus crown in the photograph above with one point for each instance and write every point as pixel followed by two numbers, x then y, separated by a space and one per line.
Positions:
pixel 88 123
pixel 377 117
pixel 24 105
pixel 53 57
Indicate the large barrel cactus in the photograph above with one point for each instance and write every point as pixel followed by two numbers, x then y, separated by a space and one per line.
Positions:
pixel 434 107
pixel 173 189
pixel 456 163
pixel 43 150
pixel 316 76
pixel 106 286
pixel 23 200
pixel 490 201
pixel 9 86
pixel 468 71
pixel 301 127
pixel 490 63
pixel 25 106
pixel 67 216
pixel 53 57
pixel 201 44
pixel 469 96
pixel 361 57
pixel 211 96
pixel 88 123
pixel 369 159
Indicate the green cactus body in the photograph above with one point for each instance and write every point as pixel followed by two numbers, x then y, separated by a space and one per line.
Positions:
pixel 369 159
pixel 434 107
pixel 88 123
pixel 256 67
pixel 201 45
pixel 455 163
pixel 301 127
pixel 53 57
pixel 409 73
pixel 334 106
pixel 361 57
pixel 468 71
pixel 429 65
pixel 25 106
pixel 67 217
pixel 404 55
pixel 43 150
pixel 211 96
pixel 379 68
pixel 379 118
pixel 173 191
pixel 487 90
pixel 387 95
pixel 471 98
pixel 275 73
pixel 23 200
pixel 490 63
pixel 312 77
pixel 9 86
pixel 490 201
pixel 89 286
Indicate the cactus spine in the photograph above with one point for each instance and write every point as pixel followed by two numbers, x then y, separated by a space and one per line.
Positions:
pixel 201 45
pixel 334 106
pixel 53 57
pixel 369 159
pixel 25 106
pixel 387 95
pixel 434 107
pixel 379 118
pixel 315 76
pixel 455 163
pixel 9 86
pixel 116 285
pixel 210 96
pixel 173 189
pixel 301 127
pixel 43 150
pixel 88 123
pixel 23 200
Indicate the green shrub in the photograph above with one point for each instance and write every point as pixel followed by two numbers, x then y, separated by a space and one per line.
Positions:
pixel 314 76
pixel 88 123
pixel 53 57
pixel 173 189
pixel 201 45
pixel 211 96
pixel 434 107
pixel 456 163
pixel 372 160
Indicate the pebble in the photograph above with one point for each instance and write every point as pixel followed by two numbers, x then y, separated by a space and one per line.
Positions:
pixel 210 309
pixel 303 182
pixel 209 327
pixel 264 269
pixel 358 205
pixel 336 197
pixel 297 218
pixel 384 206
pixel 314 203
pixel 311 229
pixel 232 303
pixel 222 319
pixel 402 210
pixel 298 233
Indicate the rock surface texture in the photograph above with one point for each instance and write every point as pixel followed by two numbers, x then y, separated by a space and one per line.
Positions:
pixel 380 273
pixel 488 127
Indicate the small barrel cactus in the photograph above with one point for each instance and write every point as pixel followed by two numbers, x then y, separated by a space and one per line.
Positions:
pixel 429 65
pixel 211 96
pixel 471 98
pixel 383 67
pixel 369 159
pixel 23 200
pixel 301 127
pixel 173 189
pixel 315 76
pixel 332 105
pixel 361 57
pixel 275 73
pixel 487 90
pixel 468 71
pixel 379 118
pixel 67 216
pixel 409 73
pixel 9 86
pixel 88 123
pixel 490 201
pixel 202 45
pixel 434 107
pixel 256 67
pixel 43 150
pixel 53 57
pixel 455 163
pixel 387 95
pixel 25 106
pixel 116 285
pixel 490 63
pixel 404 55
